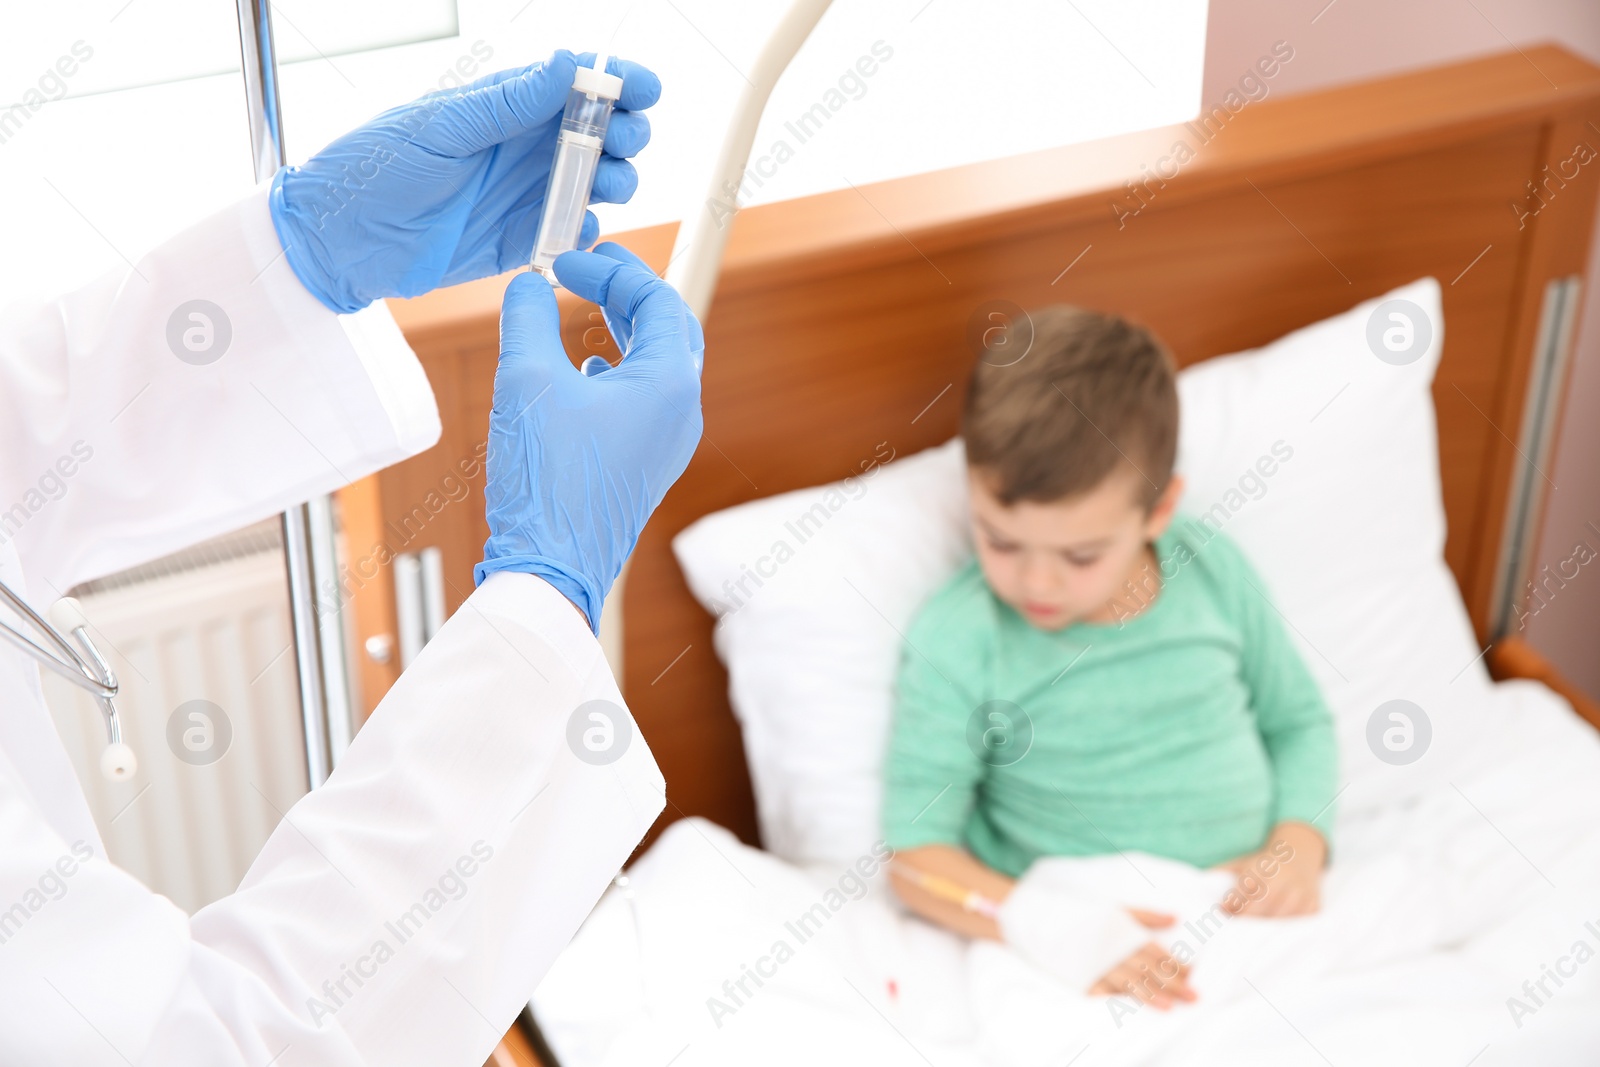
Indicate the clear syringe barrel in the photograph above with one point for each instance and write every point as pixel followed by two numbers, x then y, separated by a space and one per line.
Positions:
pixel 583 131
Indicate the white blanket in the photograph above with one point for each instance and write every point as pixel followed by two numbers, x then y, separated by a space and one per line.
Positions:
pixel 1461 928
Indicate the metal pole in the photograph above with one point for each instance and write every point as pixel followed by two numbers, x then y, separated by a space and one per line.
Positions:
pixel 260 62
pixel 309 546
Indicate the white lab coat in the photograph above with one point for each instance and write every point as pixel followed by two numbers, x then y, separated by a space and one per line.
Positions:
pixel 463 767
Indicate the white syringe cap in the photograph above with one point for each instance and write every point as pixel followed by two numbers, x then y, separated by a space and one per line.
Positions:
pixel 596 81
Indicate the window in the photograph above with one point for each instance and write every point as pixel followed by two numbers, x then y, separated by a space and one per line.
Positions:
pixel 147 131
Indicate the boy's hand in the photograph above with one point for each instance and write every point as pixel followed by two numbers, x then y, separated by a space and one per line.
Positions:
pixel 1152 974
pixel 1283 878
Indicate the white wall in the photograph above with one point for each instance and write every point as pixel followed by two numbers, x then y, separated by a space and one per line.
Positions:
pixel 107 173
pixel 1357 39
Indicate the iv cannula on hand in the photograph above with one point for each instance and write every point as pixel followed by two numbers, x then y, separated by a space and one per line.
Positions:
pixel 583 131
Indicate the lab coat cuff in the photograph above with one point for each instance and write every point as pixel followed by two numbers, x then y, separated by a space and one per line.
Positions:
pixel 569 583
pixel 375 338
pixel 544 610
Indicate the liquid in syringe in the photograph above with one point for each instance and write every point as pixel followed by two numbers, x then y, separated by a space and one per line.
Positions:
pixel 583 131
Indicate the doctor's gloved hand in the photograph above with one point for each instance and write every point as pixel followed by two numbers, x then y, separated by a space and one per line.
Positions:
pixel 449 187
pixel 579 459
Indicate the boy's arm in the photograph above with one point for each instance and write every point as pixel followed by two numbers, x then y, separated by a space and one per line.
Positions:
pixel 1283 877
pixel 931 779
pixel 1295 724
pixel 1099 960
pixel 931 776
pixel 929 878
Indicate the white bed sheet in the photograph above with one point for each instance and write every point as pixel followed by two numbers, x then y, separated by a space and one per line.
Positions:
pixel 1436 914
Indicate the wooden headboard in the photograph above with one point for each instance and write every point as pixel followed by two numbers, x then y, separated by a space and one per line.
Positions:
pixel 841 320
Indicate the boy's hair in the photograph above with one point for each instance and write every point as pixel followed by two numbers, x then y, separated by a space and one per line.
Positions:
pixel 1092 392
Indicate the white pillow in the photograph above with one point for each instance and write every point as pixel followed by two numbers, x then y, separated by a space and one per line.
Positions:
pixel 1346 531
pixel 812 590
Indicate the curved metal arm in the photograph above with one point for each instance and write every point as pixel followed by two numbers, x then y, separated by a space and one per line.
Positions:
pixel 703 234
pixel 697 253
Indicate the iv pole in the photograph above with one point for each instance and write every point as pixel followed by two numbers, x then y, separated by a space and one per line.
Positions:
pixel 309 546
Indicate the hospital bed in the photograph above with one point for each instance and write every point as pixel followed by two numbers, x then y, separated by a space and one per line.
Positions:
pixel 841 328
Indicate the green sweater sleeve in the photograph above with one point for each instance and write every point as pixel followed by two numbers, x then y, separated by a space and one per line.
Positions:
pixel 931 776
pixel 1294 721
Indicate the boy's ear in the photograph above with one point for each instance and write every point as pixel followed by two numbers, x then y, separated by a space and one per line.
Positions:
pixel 1165 507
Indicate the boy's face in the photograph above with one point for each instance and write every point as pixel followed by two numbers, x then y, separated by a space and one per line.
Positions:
pixel 1067 560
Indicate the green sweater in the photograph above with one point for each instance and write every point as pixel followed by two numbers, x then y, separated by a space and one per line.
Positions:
pixel 1187 731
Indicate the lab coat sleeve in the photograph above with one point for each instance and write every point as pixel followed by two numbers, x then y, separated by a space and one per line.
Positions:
pixel 402 914
pixel 192 392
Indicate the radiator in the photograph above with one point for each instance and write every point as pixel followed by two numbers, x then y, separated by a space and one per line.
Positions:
pixel 208 625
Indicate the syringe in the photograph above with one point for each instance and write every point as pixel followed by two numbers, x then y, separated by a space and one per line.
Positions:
pixel 583 131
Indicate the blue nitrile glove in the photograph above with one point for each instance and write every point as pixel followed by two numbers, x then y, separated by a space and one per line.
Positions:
pixel 449 187
pixel 579 459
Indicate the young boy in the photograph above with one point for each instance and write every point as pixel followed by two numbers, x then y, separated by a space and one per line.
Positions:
pixel 1100 679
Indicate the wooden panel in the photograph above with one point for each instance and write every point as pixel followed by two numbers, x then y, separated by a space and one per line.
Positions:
pixel 840 320
pixel 1555 217
pixel 514 1051
pixel 369 584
